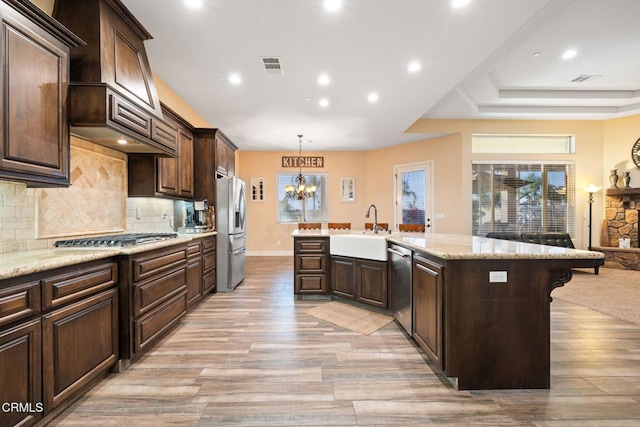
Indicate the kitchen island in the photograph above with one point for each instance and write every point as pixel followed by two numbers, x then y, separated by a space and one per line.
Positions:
pixel 481 307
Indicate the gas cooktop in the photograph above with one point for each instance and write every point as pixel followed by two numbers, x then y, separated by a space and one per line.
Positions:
pixel 114 240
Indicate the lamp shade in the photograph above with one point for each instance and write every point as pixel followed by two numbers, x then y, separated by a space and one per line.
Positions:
pixel 592 188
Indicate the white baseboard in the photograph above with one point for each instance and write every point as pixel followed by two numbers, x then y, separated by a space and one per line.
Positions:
pixel 269 253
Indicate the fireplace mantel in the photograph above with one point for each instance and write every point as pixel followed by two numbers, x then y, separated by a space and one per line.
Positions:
pixel 623 192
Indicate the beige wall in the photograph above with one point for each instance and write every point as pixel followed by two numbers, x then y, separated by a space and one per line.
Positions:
pixel 451 158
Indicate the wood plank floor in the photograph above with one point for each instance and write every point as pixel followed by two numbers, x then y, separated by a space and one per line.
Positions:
pixel 253 357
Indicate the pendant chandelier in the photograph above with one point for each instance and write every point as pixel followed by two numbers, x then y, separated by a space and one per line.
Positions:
pixel 301 190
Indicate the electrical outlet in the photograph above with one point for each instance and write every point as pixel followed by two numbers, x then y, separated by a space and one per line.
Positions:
pixel 497 277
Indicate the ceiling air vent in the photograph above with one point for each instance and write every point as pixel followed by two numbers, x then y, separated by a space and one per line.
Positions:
pixel 272 65
pixel 585 77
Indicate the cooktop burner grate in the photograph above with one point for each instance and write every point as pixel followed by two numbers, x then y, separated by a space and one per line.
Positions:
pixel 115 240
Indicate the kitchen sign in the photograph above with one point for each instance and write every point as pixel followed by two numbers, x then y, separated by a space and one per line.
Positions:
pixel 302 162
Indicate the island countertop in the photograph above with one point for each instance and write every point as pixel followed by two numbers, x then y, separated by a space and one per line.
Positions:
pixel 458 246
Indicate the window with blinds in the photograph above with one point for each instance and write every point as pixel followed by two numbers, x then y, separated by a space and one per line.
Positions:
pixel 523 197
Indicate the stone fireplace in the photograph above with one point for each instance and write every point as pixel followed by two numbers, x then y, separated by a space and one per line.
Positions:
pixel 621 221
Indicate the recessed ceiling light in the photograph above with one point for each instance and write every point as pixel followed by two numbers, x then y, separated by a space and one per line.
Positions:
pixel 536 54
pixel 195 4
pixel 414 67
pixel 459 3
pixel 569 54
pixel 235 79
pixel 373 97
pixel 307 99
pixel 332 5
pixel 323 80
pixel 324 102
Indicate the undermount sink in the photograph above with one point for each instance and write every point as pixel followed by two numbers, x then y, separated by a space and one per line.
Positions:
pixel 366 246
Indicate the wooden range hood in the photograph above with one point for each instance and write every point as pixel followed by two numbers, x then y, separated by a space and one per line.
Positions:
pixel 112 95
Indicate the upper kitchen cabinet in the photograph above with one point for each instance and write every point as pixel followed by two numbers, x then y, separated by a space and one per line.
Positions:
pixel 154 176
pixel 34 144
pixel 214 156
pixel 112 96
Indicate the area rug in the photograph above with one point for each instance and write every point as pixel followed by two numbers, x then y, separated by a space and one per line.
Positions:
pixel 614 292
pixel 350 317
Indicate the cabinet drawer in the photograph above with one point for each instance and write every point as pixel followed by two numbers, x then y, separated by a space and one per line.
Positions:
pixel 148 294
pixel 209 261
pixel 311 284
pixel 128 115
pixel 311 245
pixel 165 134
pixel 209 245
pixel 194 249
pixel 311 264
pixel 209 282
pixel 19 302
pixel 66 287
pixel 158 262
pixel 159 321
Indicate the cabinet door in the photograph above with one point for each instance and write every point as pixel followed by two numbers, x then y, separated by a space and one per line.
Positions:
pixel 221 157
pixel 185 164
pixel 80 342
pixel 194 281
pixel 20 373
pixel 372 283
pixel 168 182
pixel 34 142
pixel 343 277
pixel 427 307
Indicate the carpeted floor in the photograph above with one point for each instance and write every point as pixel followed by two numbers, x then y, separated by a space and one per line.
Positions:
pixel 614 292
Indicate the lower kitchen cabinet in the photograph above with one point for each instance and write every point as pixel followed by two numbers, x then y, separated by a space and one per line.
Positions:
pixel 311 267
pixel 58 332
pixel 153 296
pixel 208 265
pixel 80 342
pixel 20 373
pixel 427 307
pixel 361 280
pixel 194 273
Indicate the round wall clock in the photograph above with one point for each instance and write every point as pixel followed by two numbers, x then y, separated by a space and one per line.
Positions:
pixel 635 153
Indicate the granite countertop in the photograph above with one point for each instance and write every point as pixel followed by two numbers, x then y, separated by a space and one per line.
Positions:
pixel 457 246
pixel 26 262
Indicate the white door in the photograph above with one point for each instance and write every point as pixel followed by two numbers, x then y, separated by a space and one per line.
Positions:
pixel 413 194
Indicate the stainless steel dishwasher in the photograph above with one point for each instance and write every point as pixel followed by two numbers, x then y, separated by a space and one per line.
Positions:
pixel 400 278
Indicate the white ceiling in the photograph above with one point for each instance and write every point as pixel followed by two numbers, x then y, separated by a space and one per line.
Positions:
pixel 477 62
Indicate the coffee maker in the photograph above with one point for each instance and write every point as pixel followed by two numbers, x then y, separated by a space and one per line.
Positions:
pixel 192 216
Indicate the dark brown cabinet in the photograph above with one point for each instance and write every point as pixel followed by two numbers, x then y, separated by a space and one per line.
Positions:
pixel 311 265
pixel 361 280
pixel 20 373
pixel 194 273
pixel 58 333
pixel 175 175
pixel 427 307
pixel 172 177
pixel 34 143
pixel 214 156
pixel 80 342
pixel 209 265
pixel 153 296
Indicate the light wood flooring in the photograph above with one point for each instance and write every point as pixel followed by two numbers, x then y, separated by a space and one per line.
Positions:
pixel 253 357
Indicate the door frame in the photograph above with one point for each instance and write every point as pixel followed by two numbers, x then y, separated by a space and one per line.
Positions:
pixel 427 167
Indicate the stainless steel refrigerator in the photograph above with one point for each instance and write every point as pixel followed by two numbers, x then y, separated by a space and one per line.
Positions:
pixel 230 225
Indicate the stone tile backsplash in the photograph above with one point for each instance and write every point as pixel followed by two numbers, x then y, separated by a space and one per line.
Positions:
pixel 96 203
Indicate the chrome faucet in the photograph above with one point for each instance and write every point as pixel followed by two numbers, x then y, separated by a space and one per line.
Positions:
pixel 375 217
